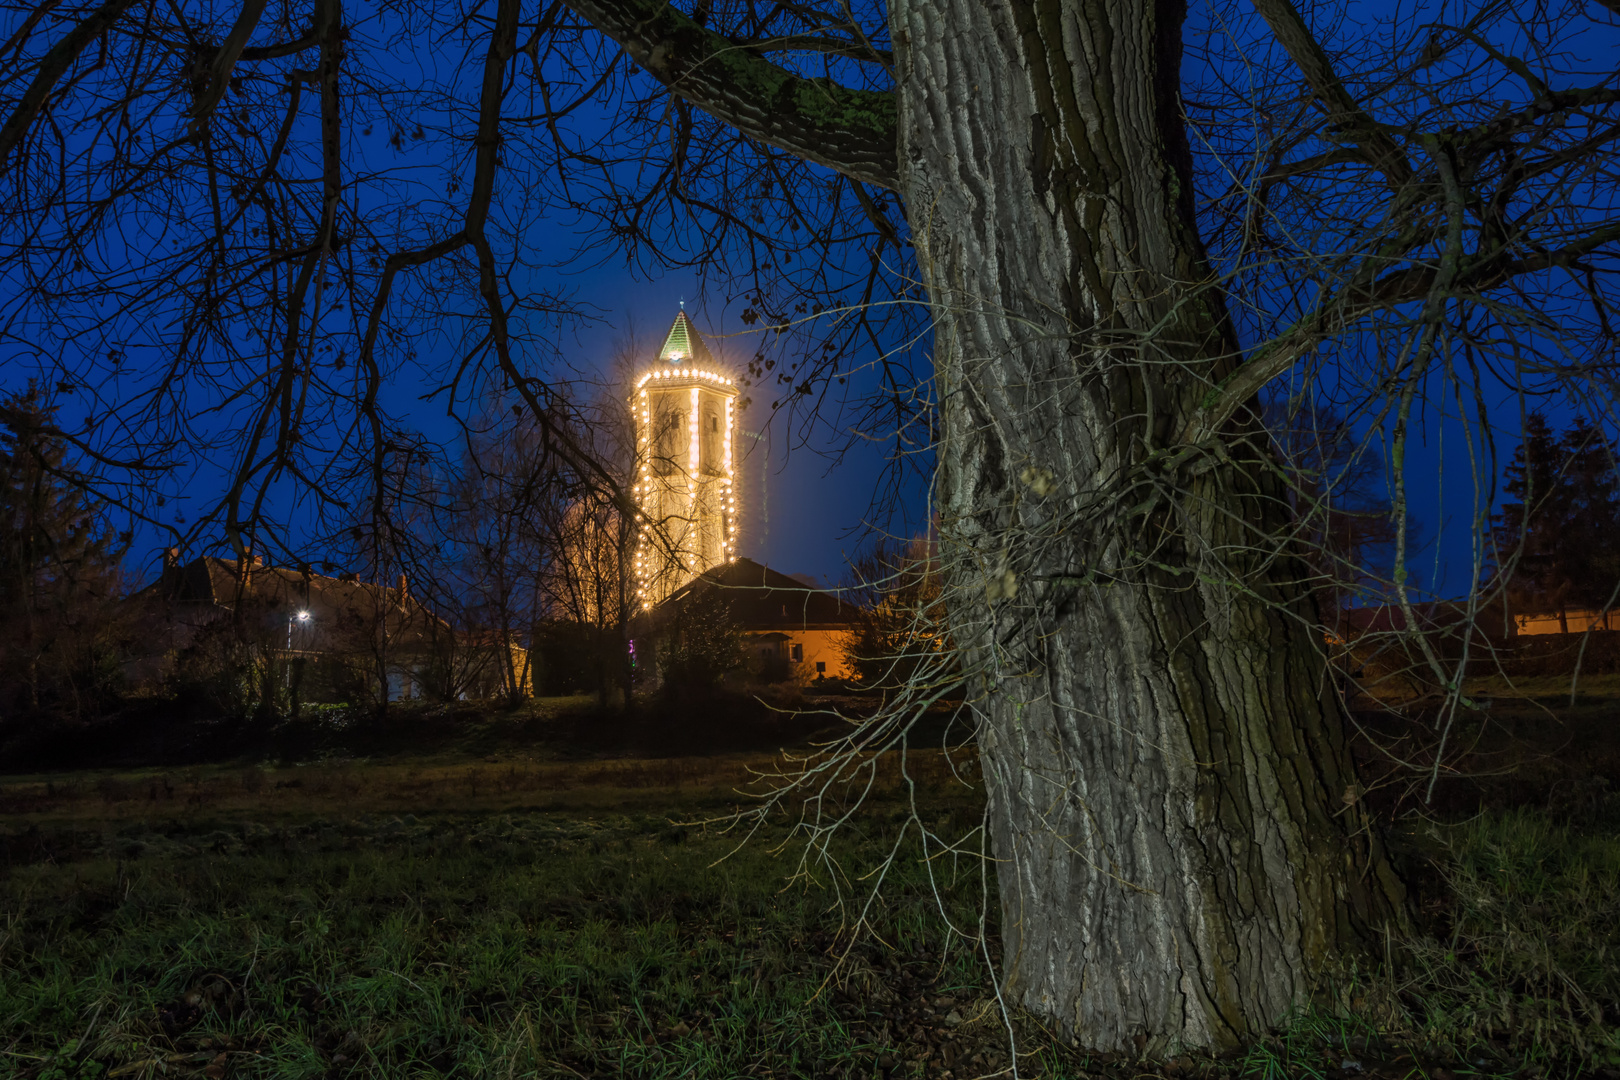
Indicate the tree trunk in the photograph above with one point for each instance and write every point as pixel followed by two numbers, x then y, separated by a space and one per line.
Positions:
pixel 1181 850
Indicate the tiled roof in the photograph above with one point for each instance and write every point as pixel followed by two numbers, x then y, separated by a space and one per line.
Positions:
pixel 216 582
pixel 761 599
pixel 684 345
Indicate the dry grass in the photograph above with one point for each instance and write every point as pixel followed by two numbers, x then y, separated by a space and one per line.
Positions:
pixel 497 785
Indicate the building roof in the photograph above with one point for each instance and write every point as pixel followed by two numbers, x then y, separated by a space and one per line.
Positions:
pixel 212 582
pixel 684 344
pixel 761 599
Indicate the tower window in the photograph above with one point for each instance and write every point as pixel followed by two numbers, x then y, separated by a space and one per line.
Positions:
pixel 710 426
pixel 669 439
pixel 798 654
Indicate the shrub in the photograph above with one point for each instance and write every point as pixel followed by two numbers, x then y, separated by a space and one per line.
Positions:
pixel 219 674
pixel 703 644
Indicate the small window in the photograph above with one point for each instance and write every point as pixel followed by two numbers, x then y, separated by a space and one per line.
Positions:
pixel 821 667
pixel 714 423
pixel 798 654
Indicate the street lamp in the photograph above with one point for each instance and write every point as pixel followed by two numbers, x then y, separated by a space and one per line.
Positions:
pixel 301 617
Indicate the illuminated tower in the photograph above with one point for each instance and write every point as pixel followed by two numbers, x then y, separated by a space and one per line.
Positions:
pixel 685 485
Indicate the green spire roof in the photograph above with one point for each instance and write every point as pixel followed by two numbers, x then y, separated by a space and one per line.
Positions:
pixel 684 345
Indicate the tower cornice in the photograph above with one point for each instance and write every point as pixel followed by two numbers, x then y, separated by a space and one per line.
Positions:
pixel 682 375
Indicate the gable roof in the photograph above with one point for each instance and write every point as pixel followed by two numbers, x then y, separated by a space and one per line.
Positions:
pixel 761 599
pixel 684 344
pixel 212 582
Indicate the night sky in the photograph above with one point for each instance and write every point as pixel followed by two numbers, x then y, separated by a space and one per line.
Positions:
pixel 817 506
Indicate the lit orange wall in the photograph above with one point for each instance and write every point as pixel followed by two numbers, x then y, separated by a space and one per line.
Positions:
pixel 1579 621
pixel 823 645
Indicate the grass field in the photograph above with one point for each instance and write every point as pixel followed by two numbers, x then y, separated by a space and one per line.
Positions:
pixel 470 920
pixel 517 917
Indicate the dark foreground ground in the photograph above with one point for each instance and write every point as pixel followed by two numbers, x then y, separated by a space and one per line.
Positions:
pixel 492 900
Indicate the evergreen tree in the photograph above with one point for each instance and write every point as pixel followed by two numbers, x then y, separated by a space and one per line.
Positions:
pixel 1589 544
pixel 1557 539
pixel 58 566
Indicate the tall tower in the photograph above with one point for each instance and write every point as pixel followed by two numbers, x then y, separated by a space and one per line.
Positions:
pixel 685 485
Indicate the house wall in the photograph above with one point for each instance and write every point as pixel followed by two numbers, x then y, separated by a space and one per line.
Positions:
pixel 818 646
pixel 1579 621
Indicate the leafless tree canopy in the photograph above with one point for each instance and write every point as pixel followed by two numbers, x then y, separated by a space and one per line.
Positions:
pixel 232 234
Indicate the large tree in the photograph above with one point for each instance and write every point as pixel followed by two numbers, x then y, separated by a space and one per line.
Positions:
pixel 1172 797
pixel 1121 245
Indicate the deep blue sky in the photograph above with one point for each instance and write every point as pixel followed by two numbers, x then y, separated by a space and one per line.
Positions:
pixel 407 159
pixel 816 508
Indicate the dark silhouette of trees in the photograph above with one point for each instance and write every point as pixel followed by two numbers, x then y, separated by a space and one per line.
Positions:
pixel 59 570
pixel 1557 539
pixel 1592 542
pixel 586 581
pixel 700 644
pixel 899 627
pixel 1339 494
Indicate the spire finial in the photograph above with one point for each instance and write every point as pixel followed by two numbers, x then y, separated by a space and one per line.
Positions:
pixel 683 303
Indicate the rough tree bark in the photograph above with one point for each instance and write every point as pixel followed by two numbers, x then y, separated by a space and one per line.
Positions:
pixel 1173 803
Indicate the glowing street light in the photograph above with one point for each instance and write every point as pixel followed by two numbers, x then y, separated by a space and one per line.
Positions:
pixel 300 617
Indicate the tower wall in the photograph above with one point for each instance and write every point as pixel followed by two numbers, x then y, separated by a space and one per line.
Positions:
pixel 686 480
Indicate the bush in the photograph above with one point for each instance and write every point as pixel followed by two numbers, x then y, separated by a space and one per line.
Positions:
pixel 566 659
pixel 218 674
pixel 703 644
pixel 899 626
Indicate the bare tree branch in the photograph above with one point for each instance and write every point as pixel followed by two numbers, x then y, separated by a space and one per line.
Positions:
pixel 56 64
pixel 214 76
pixel 852 131
pixel 1307 53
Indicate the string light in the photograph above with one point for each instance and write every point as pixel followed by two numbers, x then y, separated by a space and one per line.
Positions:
pixel 684 373
pixel 703 495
